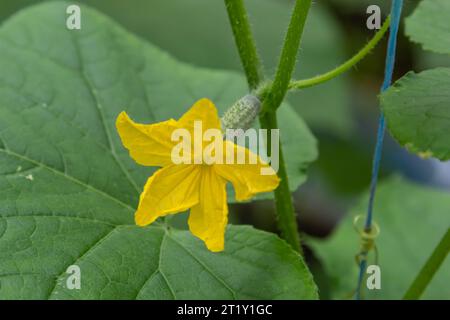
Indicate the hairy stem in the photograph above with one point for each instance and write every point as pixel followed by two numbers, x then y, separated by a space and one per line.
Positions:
pixel 244 42
pixel 429 269
pixel 299 84
pixel 286 219
pixel 272 98
pixel 288 56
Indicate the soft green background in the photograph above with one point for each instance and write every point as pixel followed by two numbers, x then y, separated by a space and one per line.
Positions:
pixel 413 219
pixel 341 113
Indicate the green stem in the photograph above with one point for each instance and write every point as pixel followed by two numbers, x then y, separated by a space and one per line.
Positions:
pixel 272 98
pixel 299 84
pixel 286 219
pixel 244 41
pixel 288 56
pixel 429 269
pixel 287 222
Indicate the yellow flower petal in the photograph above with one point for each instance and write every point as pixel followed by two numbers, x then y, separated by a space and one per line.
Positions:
pixel 149 144
pixel 208 219
pixel 178 187
pixel 169 190
pixel 246 178
pixel 203 110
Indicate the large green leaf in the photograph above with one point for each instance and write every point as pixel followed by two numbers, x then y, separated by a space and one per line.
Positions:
pixel 412 220
pixel 128 262
pixel 417 108
pixel 429 25
pixel 68 188
pixel 166 24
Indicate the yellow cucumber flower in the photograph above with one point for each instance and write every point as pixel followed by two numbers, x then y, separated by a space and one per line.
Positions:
pixel 197 186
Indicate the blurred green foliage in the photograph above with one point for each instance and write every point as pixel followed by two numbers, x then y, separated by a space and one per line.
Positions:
pixel 413 218
pixel 342 113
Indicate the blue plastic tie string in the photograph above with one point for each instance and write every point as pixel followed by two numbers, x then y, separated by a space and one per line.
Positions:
pixel 396 11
